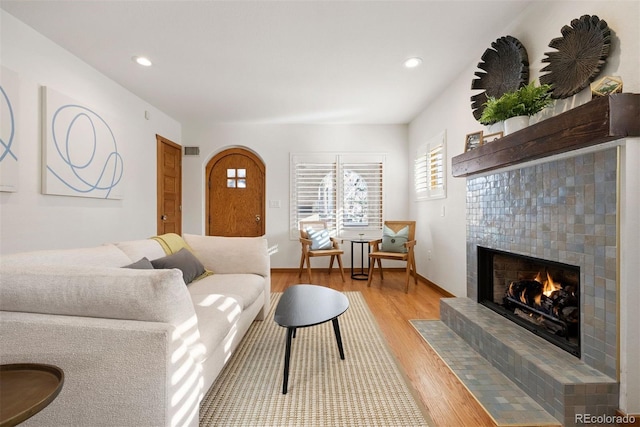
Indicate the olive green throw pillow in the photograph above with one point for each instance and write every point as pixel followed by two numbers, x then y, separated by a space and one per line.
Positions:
pixel 394 242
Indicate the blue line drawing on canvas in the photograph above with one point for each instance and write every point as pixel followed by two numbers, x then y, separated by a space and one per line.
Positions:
pixel 12 125
pixel 88 160
pixel 9 130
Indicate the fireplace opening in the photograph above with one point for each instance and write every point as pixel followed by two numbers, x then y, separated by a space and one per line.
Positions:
pixel 540 295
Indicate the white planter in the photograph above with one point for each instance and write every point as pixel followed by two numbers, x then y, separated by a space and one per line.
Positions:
pixel 494 128
pixel 514 124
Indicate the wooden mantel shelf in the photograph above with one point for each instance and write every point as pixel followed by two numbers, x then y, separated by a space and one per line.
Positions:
pixel 598 121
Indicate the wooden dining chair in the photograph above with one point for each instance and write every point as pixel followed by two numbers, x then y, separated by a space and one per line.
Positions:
pixel 397 243
pixel 316 242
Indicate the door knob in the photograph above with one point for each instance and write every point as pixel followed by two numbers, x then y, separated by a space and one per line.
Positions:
pixel 257 218
pixel 163 217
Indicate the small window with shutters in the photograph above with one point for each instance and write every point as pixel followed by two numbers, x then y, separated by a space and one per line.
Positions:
pixel 343 189
pixel 430 169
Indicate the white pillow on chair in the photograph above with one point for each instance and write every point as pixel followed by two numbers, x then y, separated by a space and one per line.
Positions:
pixel 394 242
pixel 320 239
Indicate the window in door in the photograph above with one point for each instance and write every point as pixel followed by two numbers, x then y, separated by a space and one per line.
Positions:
pixel 236 178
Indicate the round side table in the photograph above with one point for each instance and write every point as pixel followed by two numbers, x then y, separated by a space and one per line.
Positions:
pixel 362 274
pixel 26 389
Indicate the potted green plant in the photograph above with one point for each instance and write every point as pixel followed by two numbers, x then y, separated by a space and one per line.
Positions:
pixel 524 103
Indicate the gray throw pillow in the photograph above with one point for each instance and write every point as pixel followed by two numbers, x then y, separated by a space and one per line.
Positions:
pixel 141 264
pixel 394 242
pixel 184 261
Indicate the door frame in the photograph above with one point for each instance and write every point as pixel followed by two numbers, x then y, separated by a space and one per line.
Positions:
pixel 221 154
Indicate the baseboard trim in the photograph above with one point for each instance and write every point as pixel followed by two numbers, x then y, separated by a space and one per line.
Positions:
pixel 445 293
pixel 634 417
pixel 422 279
pixel 292 270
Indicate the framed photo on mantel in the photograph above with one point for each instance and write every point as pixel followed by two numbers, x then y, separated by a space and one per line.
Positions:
pixel 473 141
pixel 491 137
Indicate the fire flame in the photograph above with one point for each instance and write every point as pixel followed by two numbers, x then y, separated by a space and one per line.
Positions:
pixel 548 286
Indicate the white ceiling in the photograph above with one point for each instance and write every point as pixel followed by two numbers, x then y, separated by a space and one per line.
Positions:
pixel 275 61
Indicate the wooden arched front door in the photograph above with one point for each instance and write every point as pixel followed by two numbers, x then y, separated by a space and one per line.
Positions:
pixel 235 183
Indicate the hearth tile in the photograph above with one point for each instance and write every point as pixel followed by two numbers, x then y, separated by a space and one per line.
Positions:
pixel 543 374
pixel 505 402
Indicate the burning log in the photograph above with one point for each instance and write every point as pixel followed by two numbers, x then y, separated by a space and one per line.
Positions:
pixel 547 298
pixel 528 292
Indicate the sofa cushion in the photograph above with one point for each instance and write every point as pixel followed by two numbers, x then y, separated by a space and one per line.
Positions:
pixel 216 316
pixel 136 249
pixel 245 288
pixel 230 254
pixel 109 292
pixel 99 256
pixel 184 261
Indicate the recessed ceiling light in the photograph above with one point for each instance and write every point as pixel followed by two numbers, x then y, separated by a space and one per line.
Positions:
pixel 145 62
pixel 412 62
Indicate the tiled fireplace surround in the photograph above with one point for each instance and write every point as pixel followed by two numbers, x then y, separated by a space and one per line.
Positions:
pixel 566 211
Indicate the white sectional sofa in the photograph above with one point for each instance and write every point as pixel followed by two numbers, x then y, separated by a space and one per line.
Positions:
pixel 138 347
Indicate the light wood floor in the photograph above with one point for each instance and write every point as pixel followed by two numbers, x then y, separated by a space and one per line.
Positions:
pixel 448 401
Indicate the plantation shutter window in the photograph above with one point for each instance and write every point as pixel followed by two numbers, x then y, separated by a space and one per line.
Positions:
pixel 420 173
pixel 314 192
pixel 362 193
pixel 344 190
pixel 430 169
pixel 436 168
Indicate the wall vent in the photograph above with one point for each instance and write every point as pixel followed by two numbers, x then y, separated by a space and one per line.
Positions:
pixel 191 151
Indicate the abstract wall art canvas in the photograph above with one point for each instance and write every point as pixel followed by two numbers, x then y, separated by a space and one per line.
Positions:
pixel 9 156
pixel 80 150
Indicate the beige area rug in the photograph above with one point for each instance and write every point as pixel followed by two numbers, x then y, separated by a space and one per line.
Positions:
pixel 366 389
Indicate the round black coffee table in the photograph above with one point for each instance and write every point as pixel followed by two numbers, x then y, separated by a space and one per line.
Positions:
pixel 302 306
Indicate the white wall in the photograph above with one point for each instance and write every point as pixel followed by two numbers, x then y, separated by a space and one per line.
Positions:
pixel 274 143
pixel 30 220
pixel 446 236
